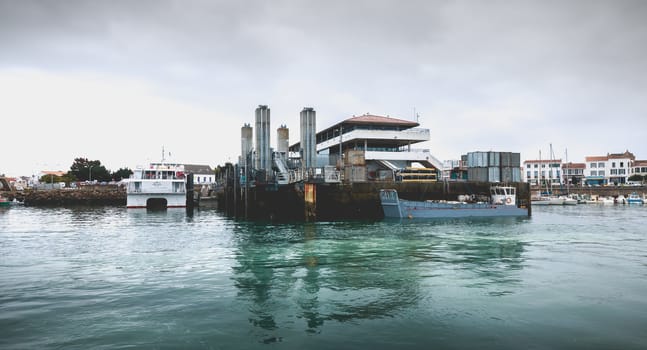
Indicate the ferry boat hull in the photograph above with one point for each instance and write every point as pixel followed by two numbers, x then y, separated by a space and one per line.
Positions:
pixel 149 200
pixel 394 207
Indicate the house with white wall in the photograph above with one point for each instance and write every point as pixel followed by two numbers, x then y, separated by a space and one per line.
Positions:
pixel 543 171
pixel 614 168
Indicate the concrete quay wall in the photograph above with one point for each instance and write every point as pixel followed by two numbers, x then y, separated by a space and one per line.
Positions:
pixel 601 191
pixel 352 201
pixel 72 197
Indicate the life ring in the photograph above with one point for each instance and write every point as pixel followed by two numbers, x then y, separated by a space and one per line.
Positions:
pixel 508 200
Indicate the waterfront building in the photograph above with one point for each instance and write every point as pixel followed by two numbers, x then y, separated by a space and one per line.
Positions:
pixel 639 167
pixel 573 173
pixel 544 172
pixel 614 168
pixel 371 147
pixel 202 174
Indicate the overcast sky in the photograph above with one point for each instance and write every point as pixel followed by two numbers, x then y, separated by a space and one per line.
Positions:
pixel 116 81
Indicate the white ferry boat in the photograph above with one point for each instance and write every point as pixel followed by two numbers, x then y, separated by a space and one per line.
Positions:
pixel 160 186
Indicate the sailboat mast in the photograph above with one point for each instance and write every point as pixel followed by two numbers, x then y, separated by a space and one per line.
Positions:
pixel 567 174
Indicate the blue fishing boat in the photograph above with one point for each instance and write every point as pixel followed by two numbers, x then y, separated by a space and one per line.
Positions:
pixel 634 198
pixel 502 203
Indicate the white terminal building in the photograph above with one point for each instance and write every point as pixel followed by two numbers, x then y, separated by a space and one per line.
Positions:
pixel 371 147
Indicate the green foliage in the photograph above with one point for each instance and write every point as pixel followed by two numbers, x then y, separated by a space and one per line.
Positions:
pixel 122 173
pixel 88 170
pixel 636 177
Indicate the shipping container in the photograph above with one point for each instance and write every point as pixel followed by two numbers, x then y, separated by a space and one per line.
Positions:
pixel 494 174
pixel 494 159
pixel 516 174
pixel 479 174
pixel 477 159
pixel 506 174
pixel 506 159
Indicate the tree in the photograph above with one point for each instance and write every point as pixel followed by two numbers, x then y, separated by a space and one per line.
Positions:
pixel 636 177
pixel 122 173
pixel 84 170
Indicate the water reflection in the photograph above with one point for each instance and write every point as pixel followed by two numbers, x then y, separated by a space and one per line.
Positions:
pixel 348 272
pixel 326 276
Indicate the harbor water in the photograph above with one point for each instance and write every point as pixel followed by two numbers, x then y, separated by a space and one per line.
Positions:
pixel 109 278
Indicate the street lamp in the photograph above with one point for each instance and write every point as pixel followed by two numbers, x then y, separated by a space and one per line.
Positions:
pixel 90 173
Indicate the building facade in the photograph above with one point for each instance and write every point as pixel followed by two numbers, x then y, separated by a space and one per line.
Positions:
pixel 639 167
pixel 372 147
pixel 573 173
pixel 543 172
pixel 202 174
pixel 614 168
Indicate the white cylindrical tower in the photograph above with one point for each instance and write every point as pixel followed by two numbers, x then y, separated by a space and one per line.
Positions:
pixel 282 140
pixel 263 159
pixel 308 138
pixel 245 142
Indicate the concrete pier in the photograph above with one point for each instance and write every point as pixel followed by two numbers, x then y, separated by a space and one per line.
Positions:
pixel 346 201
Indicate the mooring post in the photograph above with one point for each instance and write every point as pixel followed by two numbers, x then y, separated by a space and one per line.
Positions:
pixel 189 192
pixel 310 199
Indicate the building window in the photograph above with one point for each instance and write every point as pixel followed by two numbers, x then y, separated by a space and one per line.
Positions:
pixel 593 165
pixel 622 164
pixel 528 166
pixel 536 174
pixel 621 171
pixel 594 173
pixel 528 174
pixel 601 173
pixel 613 164
pixel 600 165
pixel 543 165
pixel 613 172
pixel 543 174
pixel 536 165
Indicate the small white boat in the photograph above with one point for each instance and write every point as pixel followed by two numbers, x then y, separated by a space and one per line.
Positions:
pixel 547 201
pixel 569 201
pixel 607 200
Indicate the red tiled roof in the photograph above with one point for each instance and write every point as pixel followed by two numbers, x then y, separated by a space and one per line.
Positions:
pixel 547 161
pixel 596 158
pixel 575 165
pixel 627 154
pixel 640 162
pixel 376 119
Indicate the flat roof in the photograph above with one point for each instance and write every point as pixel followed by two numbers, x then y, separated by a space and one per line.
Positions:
pixel 368 119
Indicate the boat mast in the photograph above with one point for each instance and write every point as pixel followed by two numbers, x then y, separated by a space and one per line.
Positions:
pixel 568 192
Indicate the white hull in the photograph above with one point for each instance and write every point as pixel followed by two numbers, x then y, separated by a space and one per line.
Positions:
pixel 141 200
pixel 549 201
